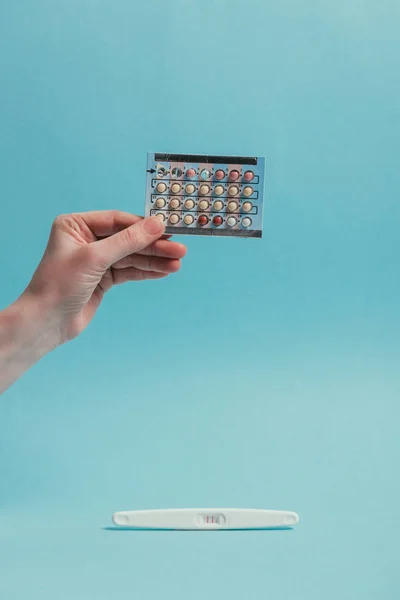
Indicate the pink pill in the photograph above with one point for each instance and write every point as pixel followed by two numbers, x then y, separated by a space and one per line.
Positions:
pixel 219 174
pixel 234 175
pixel 248 176
pixel 190 173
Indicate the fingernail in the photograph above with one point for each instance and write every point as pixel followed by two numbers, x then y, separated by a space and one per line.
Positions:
pixel 153 226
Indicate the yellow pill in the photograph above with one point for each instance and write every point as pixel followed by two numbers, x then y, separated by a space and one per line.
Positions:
pixel 174 203
pixel 188 220
pixel 219 190
pixel 232 206
pixel 247 206
pixel 160 202
pixel 175 188
pixel 189 204
pixel 204 190
pixel 248 190
pixel 174 219
pixel 160 216
pixel 161 187
pixel 203 204
pixel 233 190
pixel 218 205
pixel 189 189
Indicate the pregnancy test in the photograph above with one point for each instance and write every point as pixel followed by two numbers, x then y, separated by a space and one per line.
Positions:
pixel 205 518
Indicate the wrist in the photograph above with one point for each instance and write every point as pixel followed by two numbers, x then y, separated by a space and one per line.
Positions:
pixel 35 325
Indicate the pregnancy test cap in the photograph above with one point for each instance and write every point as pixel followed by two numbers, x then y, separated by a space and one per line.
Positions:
pixel 206 518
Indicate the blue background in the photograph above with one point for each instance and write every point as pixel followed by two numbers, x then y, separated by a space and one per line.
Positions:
pixel 266 373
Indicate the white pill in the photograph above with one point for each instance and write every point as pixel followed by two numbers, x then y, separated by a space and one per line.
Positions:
pixel 174 219
pixel 231 221
pixel 203 204
pixel 248 190
pixel 219 190
pixel 160 202
pixel 188 220
pixel 218 205
pixel 175 188
pixel 232 206
pixel 160 216
pixel 246 222
pixel 174 203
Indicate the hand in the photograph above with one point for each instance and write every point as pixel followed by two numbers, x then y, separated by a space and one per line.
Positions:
pixel 87 254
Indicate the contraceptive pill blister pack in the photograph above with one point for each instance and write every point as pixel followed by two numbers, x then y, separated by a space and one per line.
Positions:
pixel 206 195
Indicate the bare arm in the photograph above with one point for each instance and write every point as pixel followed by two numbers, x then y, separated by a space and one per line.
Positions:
pixel 25 337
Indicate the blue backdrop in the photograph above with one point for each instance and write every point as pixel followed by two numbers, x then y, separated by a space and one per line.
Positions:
pixel 266 373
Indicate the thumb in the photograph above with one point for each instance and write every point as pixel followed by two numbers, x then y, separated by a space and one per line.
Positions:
pixel 132 239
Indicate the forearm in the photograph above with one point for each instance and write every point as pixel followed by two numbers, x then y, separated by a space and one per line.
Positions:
pixel 26 335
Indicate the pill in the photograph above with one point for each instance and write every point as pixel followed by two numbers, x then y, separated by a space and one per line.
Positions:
pixel 189 204
pixel 205 174
pixel 248 176
pixel 202 220
pixel 232 206
pixel 248 190
pixel 219 174
pixel 190 173
pixel 174 203
pixel 161 187
pixel 246 222
pixel 234 175
pixel 231 221
pixel 233 190
pixel 160 216
pixel 160 202
pixel 189 189
pixel 204 190
pixel 174 219
pixel 175 188
pixel 247 206
pixel 218 205
pixel 217 221
pixel 219 190
pixel 188 219
pixel 203 205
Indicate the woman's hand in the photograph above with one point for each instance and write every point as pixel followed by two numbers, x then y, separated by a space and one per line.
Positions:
pixel 86 255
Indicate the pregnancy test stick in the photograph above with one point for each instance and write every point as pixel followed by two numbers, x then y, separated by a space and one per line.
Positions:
pixel 205 518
